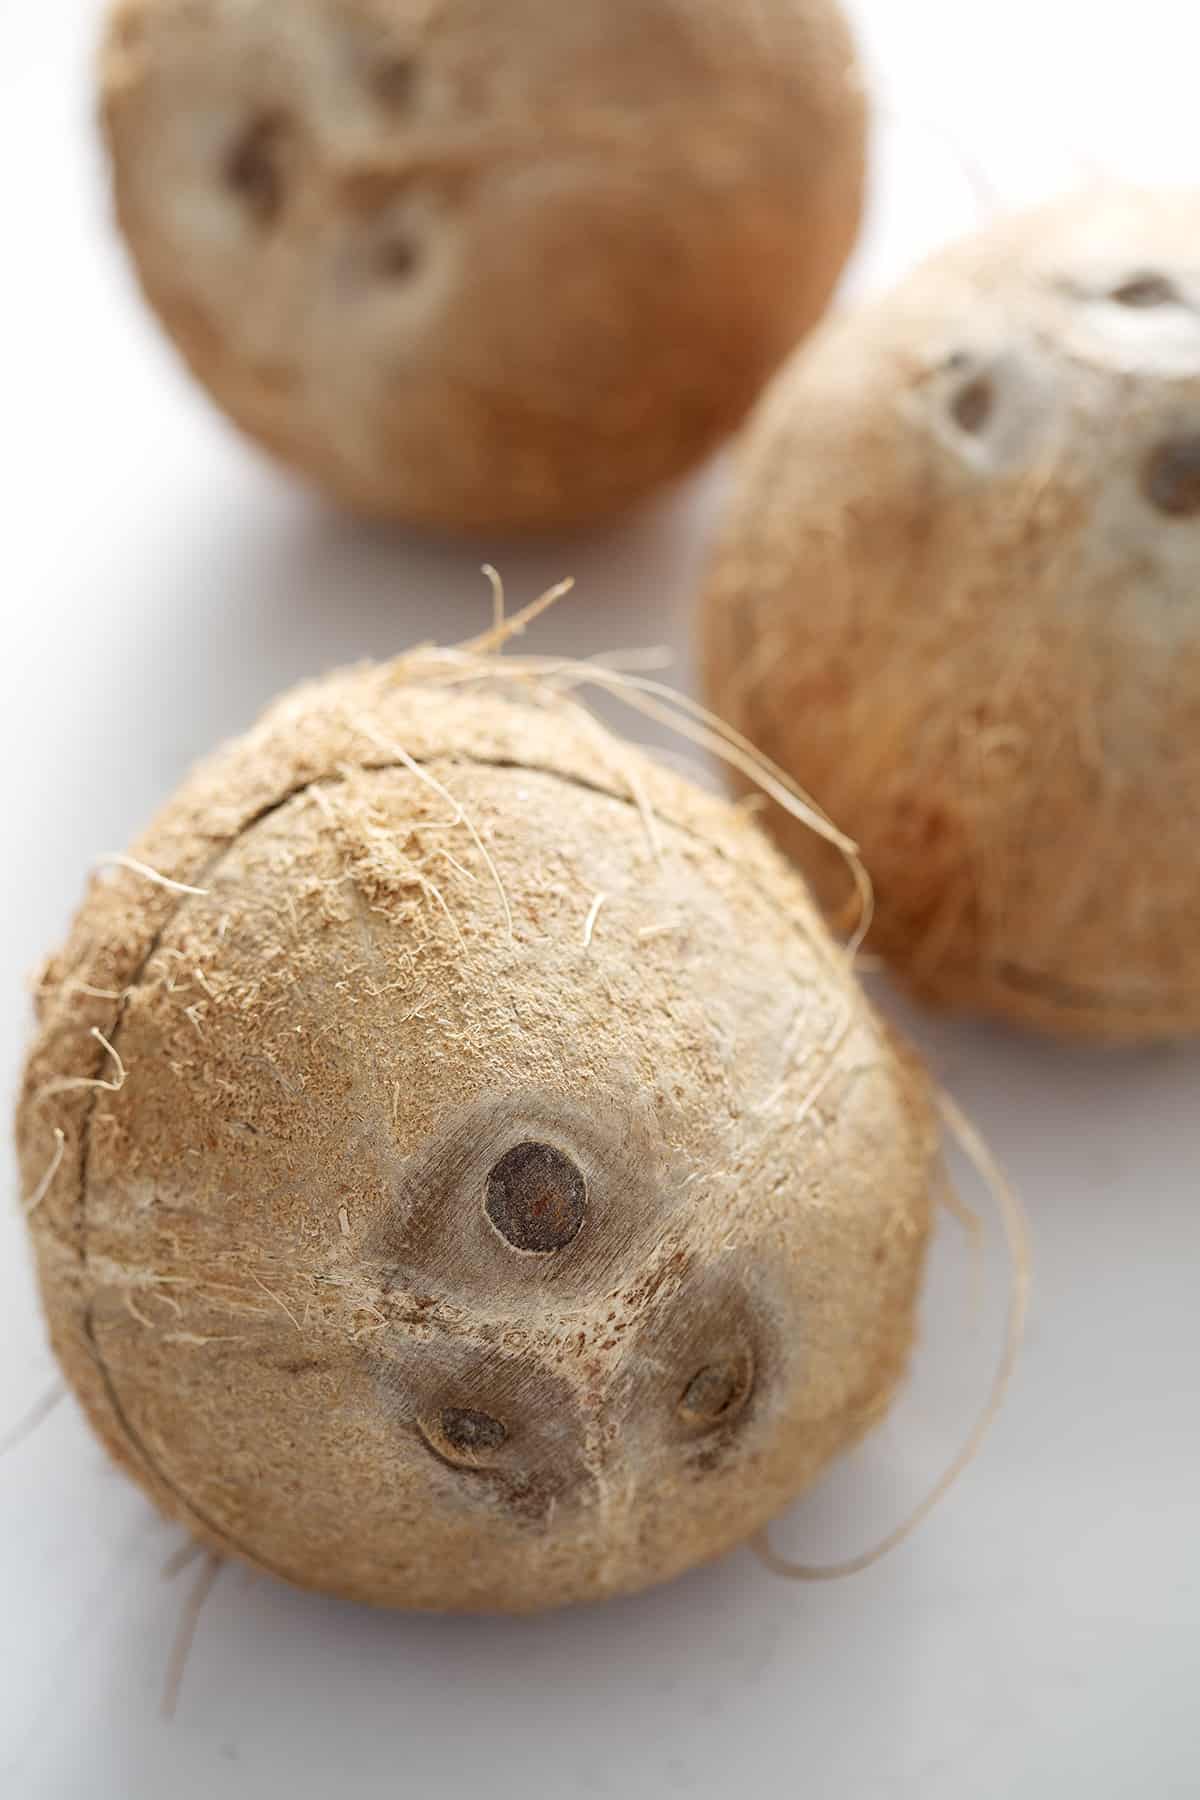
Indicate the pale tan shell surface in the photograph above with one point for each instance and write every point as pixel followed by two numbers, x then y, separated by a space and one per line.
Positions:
pixel 446 1235
pixel 485 265
pixel 956 597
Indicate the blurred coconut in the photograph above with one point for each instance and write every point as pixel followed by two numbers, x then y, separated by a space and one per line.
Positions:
pixel 496 265
pixel 957 598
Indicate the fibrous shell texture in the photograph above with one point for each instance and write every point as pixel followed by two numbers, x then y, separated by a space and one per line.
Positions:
pixel 490 1188
pixel 486 263
pixel 956 597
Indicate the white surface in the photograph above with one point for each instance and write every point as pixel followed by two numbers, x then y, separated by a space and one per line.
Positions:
pixel 1039 1637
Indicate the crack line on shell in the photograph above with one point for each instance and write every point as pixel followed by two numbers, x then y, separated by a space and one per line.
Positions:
pixel 212 866
pixel 136 1444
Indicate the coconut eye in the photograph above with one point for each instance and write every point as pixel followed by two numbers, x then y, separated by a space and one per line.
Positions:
pixel 393 82
pixel 717 1392
pixel 254 167
pixel 1146 289
pixel 396 258
pixel 536 1198
pixel 1171 478
pixel 973 404
pixel 462 1437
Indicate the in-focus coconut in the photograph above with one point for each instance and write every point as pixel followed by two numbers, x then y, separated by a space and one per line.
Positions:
pixel 480 1182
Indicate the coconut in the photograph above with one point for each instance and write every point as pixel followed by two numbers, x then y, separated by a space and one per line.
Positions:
pixel 502 265
pixel 463 1170
pixel 955 596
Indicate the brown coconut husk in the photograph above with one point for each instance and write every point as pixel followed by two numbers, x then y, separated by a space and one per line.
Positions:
pixel 294 1050
pixel 955 597
pixel 507 265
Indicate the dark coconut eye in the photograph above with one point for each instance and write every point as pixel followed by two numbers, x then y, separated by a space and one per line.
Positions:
pixel 393 82
pixel 1171 479
pixel 463 1437
pixel 972 405
pixel 254 168
pixel 717 1393
pixel 536 1198
pixel 397 258
pixel 1146 289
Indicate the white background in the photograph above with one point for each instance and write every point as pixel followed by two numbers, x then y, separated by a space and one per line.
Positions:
pixel 1039 1638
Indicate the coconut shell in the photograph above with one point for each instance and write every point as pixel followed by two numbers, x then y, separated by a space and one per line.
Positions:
pixel 498 265
pixel 464 1205
pixel 955 597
